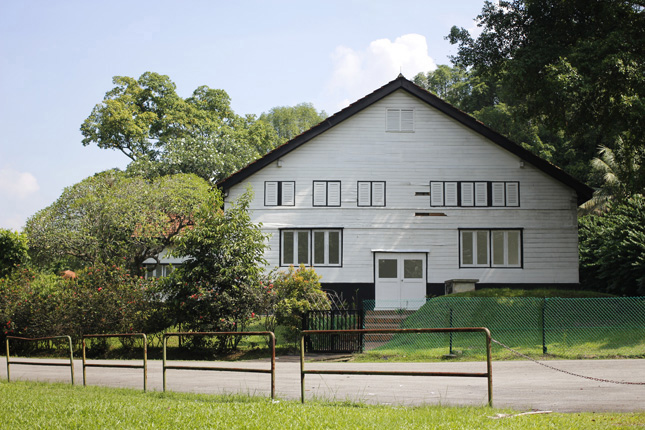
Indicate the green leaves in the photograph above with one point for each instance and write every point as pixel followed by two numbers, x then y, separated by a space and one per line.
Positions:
pixel 217 288
pixel 575 67
pixel 113 218
pixel 13 251
pixel 612 249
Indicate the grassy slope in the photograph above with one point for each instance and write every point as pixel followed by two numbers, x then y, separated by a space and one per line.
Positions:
pixel 517 323
pixel 29 405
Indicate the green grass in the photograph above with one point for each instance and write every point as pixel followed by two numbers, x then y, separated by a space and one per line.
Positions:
pixel 579 325
pixel 29 405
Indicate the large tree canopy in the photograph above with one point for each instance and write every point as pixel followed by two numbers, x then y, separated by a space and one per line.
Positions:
pixel 290 121
pixel 113 218
pixel 577 66
pixel 163 133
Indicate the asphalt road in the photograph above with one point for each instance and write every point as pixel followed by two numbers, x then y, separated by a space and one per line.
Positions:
pixel 521 385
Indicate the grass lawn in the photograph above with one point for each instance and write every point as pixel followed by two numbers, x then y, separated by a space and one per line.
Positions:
pixel 30 405
pixel 577 325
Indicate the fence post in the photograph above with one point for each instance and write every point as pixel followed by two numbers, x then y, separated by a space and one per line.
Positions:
pixel 450 332
pixel 544 325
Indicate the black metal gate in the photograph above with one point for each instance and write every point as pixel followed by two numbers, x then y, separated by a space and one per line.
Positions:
pixel 347 319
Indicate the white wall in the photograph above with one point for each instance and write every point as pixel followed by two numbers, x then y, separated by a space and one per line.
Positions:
pixel 440 149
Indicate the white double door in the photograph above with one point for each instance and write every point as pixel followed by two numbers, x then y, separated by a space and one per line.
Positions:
pixel 400 280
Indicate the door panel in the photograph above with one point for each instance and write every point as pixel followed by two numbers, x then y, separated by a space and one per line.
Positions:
pixel 400 280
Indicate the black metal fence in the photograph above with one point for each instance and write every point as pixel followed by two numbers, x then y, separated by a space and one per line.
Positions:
pixel 347 319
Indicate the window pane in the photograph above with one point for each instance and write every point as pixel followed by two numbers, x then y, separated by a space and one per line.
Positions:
pixel 482 248
pixel 467 247
pixel 334 247
pixel 413 269
pixel 303 247
pixel 319 247
pixel 387 268
pixel 498 248
pixel 287 247
pixel 513 248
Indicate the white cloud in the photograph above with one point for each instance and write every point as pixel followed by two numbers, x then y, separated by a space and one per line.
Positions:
pixel 357 73
pixel 16 184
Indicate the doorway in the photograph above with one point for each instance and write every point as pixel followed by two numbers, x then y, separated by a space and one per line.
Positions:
pixel 400 280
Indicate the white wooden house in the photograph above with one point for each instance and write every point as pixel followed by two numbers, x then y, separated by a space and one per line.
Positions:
pixel 400 192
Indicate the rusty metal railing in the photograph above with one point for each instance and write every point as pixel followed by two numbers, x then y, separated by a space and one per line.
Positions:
pixel 222 369
pixel 41 363
pixel 143 366
pixel 488 374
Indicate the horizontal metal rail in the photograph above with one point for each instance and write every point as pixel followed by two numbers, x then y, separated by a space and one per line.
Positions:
pixel 221 369
pixel 143 366
pixel 41 363
pixel 488 374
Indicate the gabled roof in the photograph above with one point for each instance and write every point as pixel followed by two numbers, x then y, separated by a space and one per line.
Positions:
pixel 401 83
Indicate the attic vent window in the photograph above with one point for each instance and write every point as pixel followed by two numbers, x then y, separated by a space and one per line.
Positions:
pixel 399 120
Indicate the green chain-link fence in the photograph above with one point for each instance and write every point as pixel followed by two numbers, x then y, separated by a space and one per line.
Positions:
pixel 553 327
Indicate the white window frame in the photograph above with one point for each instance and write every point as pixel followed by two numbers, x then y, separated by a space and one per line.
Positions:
pixel 490 248
pixel 506 248
pixel 365 194
pixel 478 194
pixel 399 120
pixel 475 247
pixel 323 193
pixel 285 193
pixel 311 258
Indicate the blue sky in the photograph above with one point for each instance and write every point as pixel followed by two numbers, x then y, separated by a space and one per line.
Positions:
pixel 57 60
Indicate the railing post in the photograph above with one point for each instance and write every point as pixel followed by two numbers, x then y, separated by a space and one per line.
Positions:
pixel 489 368
pixel 272 336
pixel 8 374
pixel 71 357
pixel 145 362
pixel 165 342
pixel 84 360
pixel 302 368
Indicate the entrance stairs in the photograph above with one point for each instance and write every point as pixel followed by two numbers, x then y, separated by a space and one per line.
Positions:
pixel 383 319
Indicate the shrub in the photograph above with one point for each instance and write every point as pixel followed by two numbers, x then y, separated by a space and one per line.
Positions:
pixel 289 296
pixel 216 288
pixel 102 300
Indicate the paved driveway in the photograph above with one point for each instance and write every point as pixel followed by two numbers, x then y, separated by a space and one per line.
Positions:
pixel 520 385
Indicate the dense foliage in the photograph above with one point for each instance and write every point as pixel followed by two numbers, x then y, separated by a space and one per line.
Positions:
pixel 287 296
pixel 103 299
pixel 13 251
pixel 218 287
pixel 561 78
pixel 290 121
pixel 612 249
pixel 111 218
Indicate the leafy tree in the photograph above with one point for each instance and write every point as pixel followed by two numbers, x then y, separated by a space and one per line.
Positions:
pixel 218 287
pixel 13 251
pixel 288 297
pixel 623 175
pixel 452 84
pixel 577 67
pixel 612 249
pixel 290 121
pixel 163 133
pixel 113 218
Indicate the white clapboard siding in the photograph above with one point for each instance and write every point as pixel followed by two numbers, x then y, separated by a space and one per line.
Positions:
pixel 399 170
